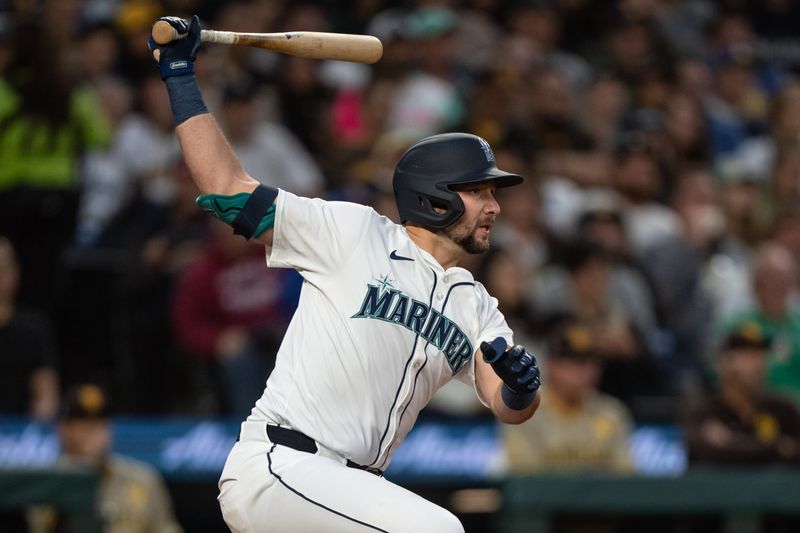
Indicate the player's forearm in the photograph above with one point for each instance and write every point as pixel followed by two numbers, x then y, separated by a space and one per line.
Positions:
pixel 228 192
pixel 211 161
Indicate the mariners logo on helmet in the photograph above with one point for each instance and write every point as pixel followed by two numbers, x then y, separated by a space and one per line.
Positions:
pixel 425 173
pixel 487 150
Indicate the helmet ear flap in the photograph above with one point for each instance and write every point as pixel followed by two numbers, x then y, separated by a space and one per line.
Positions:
pixel 442 209
pixel 433 209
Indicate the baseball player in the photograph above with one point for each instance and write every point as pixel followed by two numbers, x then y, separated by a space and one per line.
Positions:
pixel 385 318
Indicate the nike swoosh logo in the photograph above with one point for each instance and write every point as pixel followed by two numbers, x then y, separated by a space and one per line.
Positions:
pixel 396 257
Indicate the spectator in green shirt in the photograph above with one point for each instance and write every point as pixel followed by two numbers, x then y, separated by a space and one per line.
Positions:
pixel 46 124
pixel 774 279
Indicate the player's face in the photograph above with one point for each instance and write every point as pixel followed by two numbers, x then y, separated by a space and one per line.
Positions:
pixel 471 232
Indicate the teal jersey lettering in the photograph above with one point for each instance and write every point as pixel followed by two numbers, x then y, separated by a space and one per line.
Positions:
pixel 391 305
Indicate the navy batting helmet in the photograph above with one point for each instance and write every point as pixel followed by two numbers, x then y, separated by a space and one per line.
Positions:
pixel 424 174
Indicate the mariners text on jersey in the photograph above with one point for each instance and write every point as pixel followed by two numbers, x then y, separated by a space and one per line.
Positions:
pixel 391 305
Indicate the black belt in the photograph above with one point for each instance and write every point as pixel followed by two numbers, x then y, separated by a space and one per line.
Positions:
pixel 303 443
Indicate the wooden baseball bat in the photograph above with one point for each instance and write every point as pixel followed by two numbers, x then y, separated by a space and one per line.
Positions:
pixel 310 44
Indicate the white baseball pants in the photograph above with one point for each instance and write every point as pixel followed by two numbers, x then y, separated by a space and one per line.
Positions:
pixel 267 487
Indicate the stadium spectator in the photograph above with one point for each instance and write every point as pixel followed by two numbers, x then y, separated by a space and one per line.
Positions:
pixel 737 109
pixel 784 180
pixel 686 140
pixel 428 99
pixel 725 259
pixel 264 148
pixel 577 428
pixel 107 186
pixel 132 497
pixel 99 51
pixel 47 124
pixel 641 183
pixel 161 378
pixel 127 183
pixel 786 230
pixel 232 62
pixel 601 221
pixel 302 97
pixel 698 275
pixel 774 283
pixel 551 129
pixel 745 198
pixel 229 311
pixel 785 116
pixel 603 106
pixel 633 51
pixel 740 424
pixel 133 20
pixel 583 287
pixel 28 375
pixel 477 35
pixel 520 228
pixel 503 272
pixel 538 26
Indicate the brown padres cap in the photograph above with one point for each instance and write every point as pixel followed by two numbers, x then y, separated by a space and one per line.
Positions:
pixel 85 401
pixel 746 334
pixel 571 340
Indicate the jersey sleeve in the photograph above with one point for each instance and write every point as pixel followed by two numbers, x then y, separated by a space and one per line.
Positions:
pixel 492 324
pixel 316 236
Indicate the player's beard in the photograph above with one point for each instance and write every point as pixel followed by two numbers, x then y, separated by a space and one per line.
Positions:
pixel 466 237
pixel 472 245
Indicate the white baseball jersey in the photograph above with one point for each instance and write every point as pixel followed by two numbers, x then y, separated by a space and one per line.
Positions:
pixel 380 327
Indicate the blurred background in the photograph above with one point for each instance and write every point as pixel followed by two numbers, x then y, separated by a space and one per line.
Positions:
pixel 649 261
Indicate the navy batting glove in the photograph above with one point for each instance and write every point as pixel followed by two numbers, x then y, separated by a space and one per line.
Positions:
pixel 518 370
pixel 177 57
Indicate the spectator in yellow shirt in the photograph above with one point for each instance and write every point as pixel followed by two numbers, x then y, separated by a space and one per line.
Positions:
pixel 131 496
pixel 577 428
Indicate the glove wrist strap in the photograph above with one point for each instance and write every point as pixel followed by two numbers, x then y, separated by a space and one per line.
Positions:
pixel 516 400
pixel 185 98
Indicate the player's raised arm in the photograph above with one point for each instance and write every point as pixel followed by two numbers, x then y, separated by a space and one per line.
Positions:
pixel 228 192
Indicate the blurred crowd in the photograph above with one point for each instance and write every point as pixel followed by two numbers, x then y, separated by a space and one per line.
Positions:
pixel 659 221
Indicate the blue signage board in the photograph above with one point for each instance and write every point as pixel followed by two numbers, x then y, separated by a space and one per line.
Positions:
pixel 434 452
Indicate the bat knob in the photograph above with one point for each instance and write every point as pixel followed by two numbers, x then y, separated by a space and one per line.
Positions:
pixel 164 33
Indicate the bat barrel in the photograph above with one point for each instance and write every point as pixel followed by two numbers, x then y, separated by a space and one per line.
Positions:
pixel 319 45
